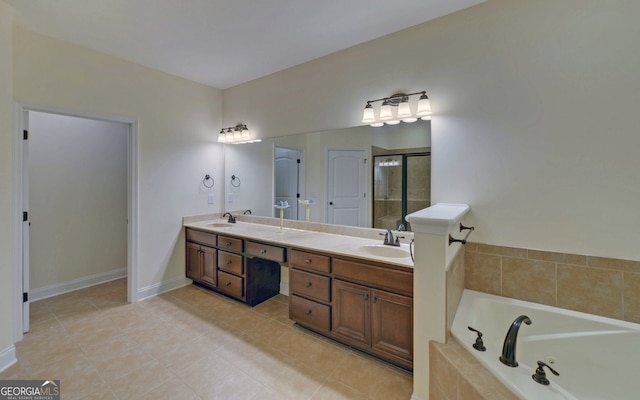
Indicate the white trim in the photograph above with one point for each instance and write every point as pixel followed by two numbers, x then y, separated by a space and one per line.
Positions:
pixel 75 284
pixel 17 223
pixel 8 358
pixel 163 287
pixel 416 397
pixel 284 288
pixel 132 199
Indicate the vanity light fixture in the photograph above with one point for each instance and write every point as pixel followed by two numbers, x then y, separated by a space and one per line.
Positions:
pixel 397 108
pixel 236 135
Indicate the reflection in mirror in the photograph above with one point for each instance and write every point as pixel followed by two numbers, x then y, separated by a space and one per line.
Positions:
pixel 270 172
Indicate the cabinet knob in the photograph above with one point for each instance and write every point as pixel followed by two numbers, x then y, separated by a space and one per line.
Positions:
pixel 228 284
pixel 228 244
pixel 366 297
pixel 263 251
pixel 229 262
pixel 308 312
pixel 375 299
pixel 308 284
pixel 307 261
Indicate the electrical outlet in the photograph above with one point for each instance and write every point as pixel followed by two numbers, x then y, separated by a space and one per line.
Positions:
pixel 210 199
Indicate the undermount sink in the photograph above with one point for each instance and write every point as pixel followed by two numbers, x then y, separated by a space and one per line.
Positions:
pixel 220 225
pixel 380 250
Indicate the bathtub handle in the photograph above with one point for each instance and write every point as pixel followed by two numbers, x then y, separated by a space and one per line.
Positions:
pixel 540 375
pixel 479 344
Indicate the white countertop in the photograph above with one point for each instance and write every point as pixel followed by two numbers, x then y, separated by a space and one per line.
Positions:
pixel 309 240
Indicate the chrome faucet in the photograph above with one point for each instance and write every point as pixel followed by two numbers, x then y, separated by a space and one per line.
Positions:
pixel 508 356
pixel 389 239
pixel 231 220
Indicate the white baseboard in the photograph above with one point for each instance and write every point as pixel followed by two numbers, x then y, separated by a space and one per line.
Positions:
pixel 80 283
pixel 414 397
pixel 162 287
pixel 7 358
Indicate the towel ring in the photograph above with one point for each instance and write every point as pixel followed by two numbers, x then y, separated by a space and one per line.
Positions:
pixel 235 181
pixel 206 180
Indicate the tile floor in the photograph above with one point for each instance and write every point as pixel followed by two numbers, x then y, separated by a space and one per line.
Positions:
pixel 191 343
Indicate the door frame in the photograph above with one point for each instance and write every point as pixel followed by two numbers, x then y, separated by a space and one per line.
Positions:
pixel 18 189
pixel 301 181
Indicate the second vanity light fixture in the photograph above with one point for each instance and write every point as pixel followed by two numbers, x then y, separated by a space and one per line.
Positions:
pixel 236 135
pixel 397 108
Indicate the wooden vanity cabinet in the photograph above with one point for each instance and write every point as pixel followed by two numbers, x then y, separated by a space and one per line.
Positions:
pixel 310 290
pixel 245 270
pixel 366 305
pixel 201 257
pixel 373 309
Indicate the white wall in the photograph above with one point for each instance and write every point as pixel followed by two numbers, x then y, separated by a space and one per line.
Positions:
pixel 77 198
pixel 534 123
pixel 7 216
pixel 178 122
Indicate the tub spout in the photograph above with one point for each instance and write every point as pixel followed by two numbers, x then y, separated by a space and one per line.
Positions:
pixel 508 356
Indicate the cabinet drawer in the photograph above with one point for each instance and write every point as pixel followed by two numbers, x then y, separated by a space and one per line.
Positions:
pixel 230 262
pixel 201 237
pixel 398 281
pixel 231 284
pixel 230 244
pixel 310 261
pixel 309 313
pixel 266 251
pixel 310 285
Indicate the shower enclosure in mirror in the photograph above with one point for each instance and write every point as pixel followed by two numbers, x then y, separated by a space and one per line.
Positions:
pixel 401 185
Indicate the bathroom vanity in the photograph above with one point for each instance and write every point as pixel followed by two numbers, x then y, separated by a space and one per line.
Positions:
pixel 338 286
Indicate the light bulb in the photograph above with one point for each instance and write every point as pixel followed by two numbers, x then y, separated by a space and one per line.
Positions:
pixel 404 110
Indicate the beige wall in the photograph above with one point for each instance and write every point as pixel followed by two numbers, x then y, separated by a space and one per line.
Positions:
pixel 178 124
pixel 77 198
pixel 534 121
pixel 7 216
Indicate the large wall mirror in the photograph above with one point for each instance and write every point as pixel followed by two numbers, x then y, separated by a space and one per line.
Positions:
pixel 361 176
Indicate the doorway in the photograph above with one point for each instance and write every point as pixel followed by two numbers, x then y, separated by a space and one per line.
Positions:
pixel 288 179
pixel 95 166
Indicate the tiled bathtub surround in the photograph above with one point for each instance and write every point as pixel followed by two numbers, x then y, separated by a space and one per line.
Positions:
pixel 456 375
pixel 595 285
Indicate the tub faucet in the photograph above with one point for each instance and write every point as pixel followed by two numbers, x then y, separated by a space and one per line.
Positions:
pixel 231 220
pixel 508 356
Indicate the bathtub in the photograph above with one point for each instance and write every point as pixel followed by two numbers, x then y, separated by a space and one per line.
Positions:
pixel 597 357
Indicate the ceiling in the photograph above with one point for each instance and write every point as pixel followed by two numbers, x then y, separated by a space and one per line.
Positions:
pixel 222 43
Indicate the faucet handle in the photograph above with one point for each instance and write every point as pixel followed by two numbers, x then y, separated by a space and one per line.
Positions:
pixel 540 375
pixel 479 344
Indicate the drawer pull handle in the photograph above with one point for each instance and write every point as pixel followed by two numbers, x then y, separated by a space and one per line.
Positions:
pixel 307 261
pixel 228 244
pixel 228 284
pixel 308 284
pixel 308 312
pixel 366 297
pixel 263 251
pixel 375 299
pixel 229 262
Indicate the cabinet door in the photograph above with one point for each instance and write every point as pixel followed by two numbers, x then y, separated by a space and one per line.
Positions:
pixel 351 312
pixel 392 324
pixel 193 261
pixel 208 265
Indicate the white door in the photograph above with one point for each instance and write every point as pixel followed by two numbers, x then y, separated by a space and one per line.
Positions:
pixel 25 222
pixel 347 187
pixel 287 170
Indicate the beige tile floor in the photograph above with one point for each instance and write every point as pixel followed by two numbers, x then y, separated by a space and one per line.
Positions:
pixel 191 343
